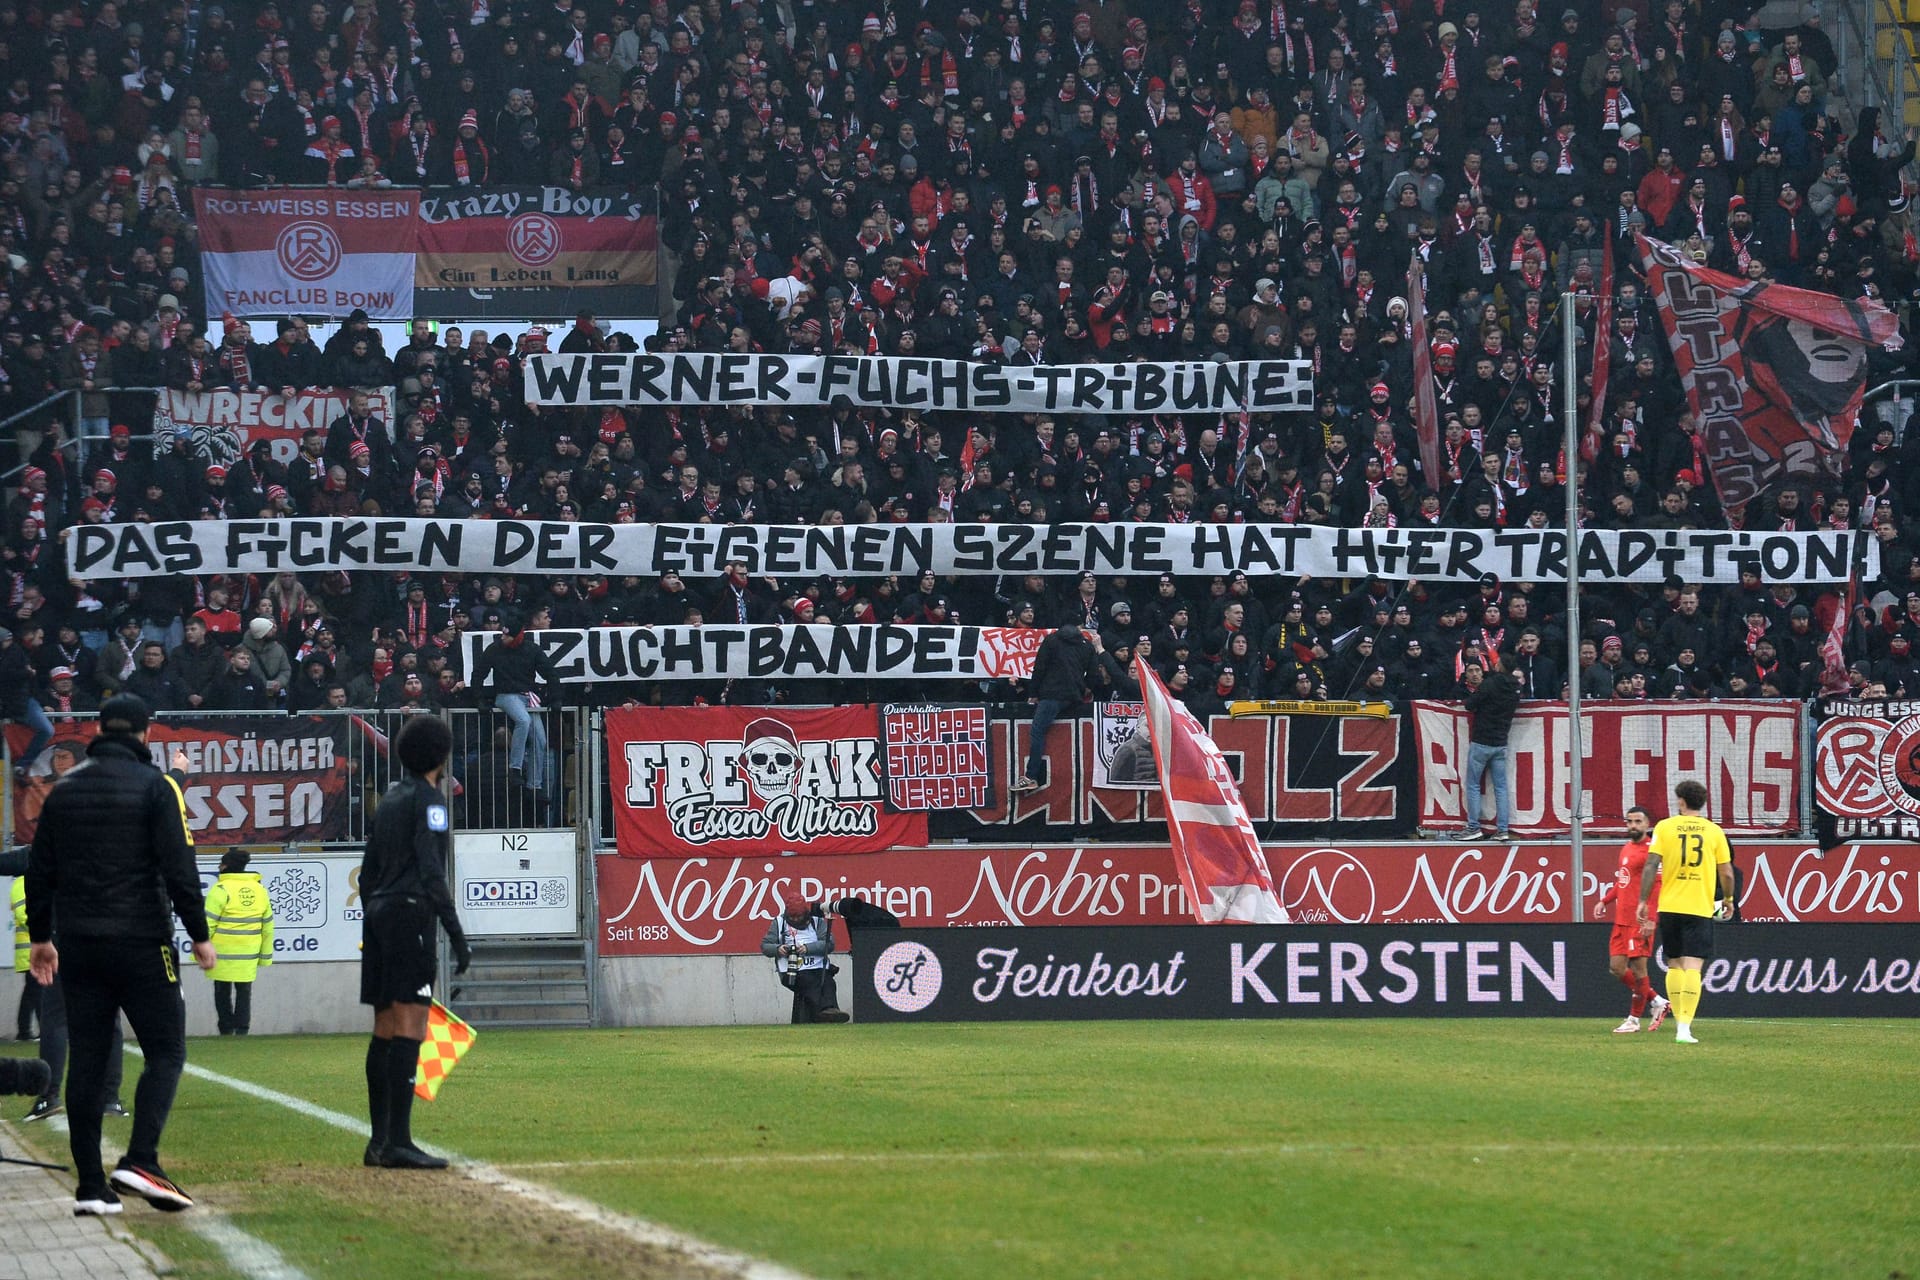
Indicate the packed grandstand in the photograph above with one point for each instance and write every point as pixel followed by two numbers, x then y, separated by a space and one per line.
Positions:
pixel 1022 184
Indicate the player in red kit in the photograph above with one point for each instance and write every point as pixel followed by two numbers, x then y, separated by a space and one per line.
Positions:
pixel 1632 942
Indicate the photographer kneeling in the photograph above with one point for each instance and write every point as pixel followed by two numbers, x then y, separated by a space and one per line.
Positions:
pixel 799 942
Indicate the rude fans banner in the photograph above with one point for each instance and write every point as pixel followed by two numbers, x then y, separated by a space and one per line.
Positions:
pixel 910 382
pixel 965 550
pixel 751 781
pixel 223 424
pixel 516 252
pixel 1747 754
pixel 1866 770
pixel 771 651
pixel 1774 374
pixel 280 252
pixel 250 779
pixel 721 906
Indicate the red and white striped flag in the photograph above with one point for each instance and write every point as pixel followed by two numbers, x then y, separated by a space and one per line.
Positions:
pixel 1214 844
pixel 1426 407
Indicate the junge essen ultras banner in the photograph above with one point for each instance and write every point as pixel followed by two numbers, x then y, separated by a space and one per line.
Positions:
pixel 1705 556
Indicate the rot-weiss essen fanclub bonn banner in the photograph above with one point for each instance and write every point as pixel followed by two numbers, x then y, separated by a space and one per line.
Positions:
pixel 305 252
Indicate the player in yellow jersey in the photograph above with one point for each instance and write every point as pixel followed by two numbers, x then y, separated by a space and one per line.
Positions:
pixel 1692 865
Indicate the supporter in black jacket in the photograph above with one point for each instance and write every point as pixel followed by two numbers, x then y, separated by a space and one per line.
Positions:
pixel 1063 677
pixel 112 863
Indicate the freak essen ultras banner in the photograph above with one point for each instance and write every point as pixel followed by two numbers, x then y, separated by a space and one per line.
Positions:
pixel 751 781
pixel 910 382
pixel 1635 753
pixel 698 550
pixel 280 252
pixel 515 252
pixel 1775 374
pixel 250 779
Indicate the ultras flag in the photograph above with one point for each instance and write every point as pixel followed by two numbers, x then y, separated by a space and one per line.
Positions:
pixel 1774 374
pixel 1214 845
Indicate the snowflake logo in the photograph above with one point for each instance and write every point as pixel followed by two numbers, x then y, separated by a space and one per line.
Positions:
pixel 299 897
pixel 553 893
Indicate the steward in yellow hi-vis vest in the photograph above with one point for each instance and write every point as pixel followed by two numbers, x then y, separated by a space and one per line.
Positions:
pixel 240 916
pixel 22 945
pixel 29 1006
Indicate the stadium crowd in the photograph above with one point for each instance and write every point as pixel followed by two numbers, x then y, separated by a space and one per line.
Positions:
pixel 1015 181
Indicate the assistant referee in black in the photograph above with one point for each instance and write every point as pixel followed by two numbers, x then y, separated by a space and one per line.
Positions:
pixel 112 864
pixel 403 883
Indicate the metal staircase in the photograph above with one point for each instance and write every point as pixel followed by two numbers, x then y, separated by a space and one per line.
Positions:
pixel 519 983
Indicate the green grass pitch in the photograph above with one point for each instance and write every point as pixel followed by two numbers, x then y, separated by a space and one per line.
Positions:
pixel 1183 1150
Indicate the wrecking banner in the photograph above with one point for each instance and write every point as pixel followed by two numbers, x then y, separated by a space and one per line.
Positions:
pixel 526 252
pixel 751 781
pixel 222 424
pixel 285 252
pixel 1335 971
pixel 910 382
pixel 1747 753
pixel 251 780
pixel 1866 770
pixel 966 550
pixel 1775 374
pixel 721 906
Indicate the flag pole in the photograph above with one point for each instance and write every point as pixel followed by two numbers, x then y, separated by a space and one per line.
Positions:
pixel 1570 402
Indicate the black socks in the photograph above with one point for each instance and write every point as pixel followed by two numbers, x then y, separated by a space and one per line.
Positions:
pixel 403 1058
pixel 377 1053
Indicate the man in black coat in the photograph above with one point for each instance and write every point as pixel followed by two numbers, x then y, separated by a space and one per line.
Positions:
pixel 1063 672
pixel 112 863
pixel 1493 699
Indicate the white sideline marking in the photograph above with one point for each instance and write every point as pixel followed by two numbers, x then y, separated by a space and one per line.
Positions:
pixel 640 1230
pixel 248 1254
pixel 1118 1155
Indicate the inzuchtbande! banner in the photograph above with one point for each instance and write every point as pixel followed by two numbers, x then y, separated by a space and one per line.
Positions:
pixel 1705 556
pixel 912 382
pixel 774 652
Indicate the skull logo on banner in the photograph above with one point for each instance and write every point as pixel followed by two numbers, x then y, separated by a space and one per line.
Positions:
pixel 770 757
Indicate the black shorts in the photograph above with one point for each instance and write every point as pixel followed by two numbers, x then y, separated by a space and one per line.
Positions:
pixel 1682 935
pixel 397 954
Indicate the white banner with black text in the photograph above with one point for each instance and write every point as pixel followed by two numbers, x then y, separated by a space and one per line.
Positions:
pixel 776 652
pixel 911 382
pixel 1705 556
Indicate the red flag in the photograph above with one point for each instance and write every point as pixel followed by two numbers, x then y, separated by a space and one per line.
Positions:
pixel 1426 413
pixel 1602 356
pixel 1775 374
pixel 966 462
pixel 1214 844
pixel 1833 650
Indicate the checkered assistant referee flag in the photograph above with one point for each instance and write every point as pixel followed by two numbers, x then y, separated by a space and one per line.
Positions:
pixel 447 1040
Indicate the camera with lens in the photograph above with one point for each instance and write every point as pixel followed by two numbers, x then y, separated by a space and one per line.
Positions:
pixel 26 1076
